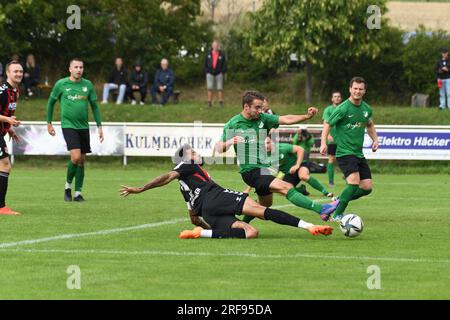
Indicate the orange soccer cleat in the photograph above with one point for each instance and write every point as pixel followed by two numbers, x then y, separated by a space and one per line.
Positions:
pixel 316 230
pixel 7 211
pixel 191 234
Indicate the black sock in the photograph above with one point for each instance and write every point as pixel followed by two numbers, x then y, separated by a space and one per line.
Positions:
pixel 281 217
pixel 228 233
pixel 3 187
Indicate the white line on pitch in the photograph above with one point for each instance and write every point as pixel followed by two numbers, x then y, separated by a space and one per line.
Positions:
pixel 230 254
pixel 88 234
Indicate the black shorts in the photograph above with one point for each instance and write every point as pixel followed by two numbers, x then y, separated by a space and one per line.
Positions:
pixel 350 164
pixel 332 149
pixel 220 206
pixel 260 179
pixel 293 178
pixel 3 149
pixel 77 139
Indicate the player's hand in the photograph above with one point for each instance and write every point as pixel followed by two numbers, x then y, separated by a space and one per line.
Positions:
pixel 323 149
pixel 312 112
pixel 100 134
pixel 13 136
pixel 13 121
pixel 236 140
pixel 375 146
pixel 294 169
pixel 125 191
pixel 51 130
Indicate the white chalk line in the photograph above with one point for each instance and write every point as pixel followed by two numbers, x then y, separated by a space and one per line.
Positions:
pixel 88 234
pixel 228 254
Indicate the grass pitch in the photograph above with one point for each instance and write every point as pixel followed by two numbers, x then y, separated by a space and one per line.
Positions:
pixel 140 257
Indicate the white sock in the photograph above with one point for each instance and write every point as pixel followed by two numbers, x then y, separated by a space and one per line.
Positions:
pixel 206 234
pixel 68 185
pixel 77 193
pixel 304 225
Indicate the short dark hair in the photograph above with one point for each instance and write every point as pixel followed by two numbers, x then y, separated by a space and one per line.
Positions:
pixel 251 95
pixel 75 59
pixel 358 80
pixel 180 154
pixel 11 63
pixel 335 91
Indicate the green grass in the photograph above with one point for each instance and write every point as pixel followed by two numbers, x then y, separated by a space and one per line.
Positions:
pixel 35 110
pixel 406 235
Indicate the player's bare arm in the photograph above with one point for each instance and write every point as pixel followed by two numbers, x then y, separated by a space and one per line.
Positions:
pixel 12 135
pixel 373 135
pixel 100 134
pixel 155 183
pixel 293 119
pixel 300 152
pixel 323 139
pixel 11 120
pixel 198 221
pixel 223 146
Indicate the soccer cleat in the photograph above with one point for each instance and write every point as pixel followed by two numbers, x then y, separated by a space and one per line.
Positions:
pixel 8 212
pixel 330 195
pixel 316 230
pixel 191 234
pixel 337 218
pixel 68 195
pixel 328 209
pixel 331 184
pixel 79 198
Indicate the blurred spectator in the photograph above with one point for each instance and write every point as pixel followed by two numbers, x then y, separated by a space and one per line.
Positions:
pixel 443 75
pixel 163 83
pixel 31 75
pixel 138 82
pixel 215 70
pixel 1 73
pixel 117 79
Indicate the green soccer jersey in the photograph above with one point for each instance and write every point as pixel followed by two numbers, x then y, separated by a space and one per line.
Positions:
pixel 350 121
pixel 326 115
pixel 287 157
pixel 251 154
pixel 74 98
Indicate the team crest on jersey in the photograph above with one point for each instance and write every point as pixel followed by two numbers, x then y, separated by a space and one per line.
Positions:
pixel 12 106
pixel 366 114
pixel 85 89
pixel 261 125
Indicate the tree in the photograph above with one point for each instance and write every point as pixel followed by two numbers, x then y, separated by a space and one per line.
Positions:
pixel 212 4
pixel 314 31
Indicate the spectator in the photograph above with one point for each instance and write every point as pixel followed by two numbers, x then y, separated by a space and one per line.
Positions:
pixel 443 75
pixel 215 70
pixel 163 83
pixel 117 79
pixel 1 73
pixel 138 82
pixel 31 75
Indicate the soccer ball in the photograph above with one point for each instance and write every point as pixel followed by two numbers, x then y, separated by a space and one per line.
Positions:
pixel 351 225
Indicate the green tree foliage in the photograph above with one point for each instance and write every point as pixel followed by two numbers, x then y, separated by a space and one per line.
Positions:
pixel 143 31
pixel 314 31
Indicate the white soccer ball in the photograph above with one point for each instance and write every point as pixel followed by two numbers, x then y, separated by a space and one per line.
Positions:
pixel 351 225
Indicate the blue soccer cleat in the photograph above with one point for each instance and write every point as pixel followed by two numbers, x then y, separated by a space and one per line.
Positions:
pixel 328 209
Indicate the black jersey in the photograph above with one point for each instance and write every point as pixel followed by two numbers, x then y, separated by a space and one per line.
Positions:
pixel 8 104
pixel 195 182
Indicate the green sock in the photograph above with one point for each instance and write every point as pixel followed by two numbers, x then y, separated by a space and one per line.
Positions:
pixel 330 171
pixel 361 193
pixel 313 182
pixel 345 198
pixel 247 219
pixel 300 200
pixel 71 171
pixel 79 178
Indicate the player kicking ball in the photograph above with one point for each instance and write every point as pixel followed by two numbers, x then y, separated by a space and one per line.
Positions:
pixel 217 206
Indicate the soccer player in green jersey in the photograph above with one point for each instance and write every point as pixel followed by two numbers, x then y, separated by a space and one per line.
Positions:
pixel 336 99
pixel 350 119
pixel 74 93
pixel 246 132
pixel 290 161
